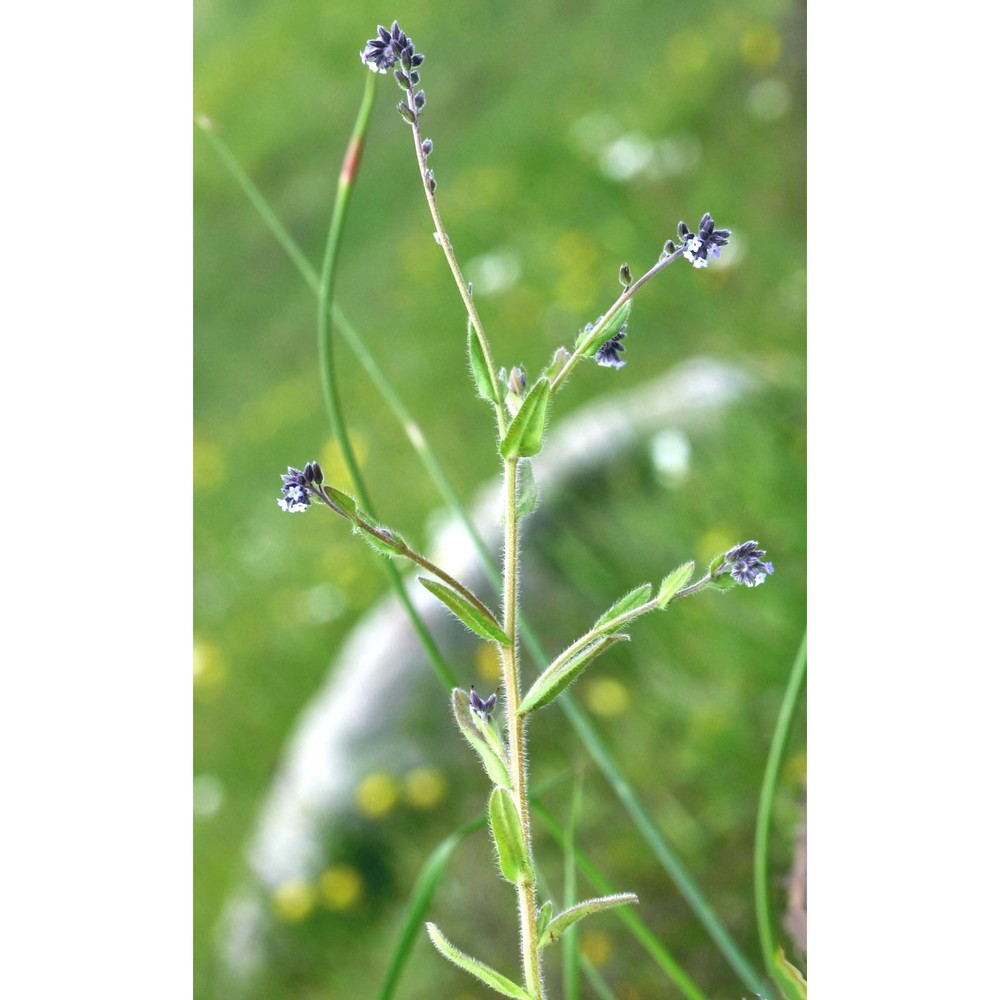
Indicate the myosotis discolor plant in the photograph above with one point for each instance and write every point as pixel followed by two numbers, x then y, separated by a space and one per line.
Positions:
pixel 522 410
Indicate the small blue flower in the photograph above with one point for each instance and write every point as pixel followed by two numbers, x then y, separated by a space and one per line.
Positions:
pixel 608 353
pixel 706 244
pixel 382 52
pixel 298 486
pixel 745 565
pixel 482 708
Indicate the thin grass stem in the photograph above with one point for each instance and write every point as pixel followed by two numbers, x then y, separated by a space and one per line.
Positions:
pixel 570 939
pixel 767 789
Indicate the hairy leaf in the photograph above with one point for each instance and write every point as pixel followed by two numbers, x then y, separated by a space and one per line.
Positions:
pixel 474 967
pixel 482 623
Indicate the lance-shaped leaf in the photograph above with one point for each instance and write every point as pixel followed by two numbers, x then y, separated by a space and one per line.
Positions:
pixel 632 600
pixel 492 761
pixel 561 673
pixel 524 435
pixel 384 541
pixel 344 501
pixel 505 825
pixel 527 491
pixel 788 977
pixel 480 369
pixel 616 322
pixel 478 619
pixel 557 925
pixel 672 583
pixel 544 916
pixel 474 967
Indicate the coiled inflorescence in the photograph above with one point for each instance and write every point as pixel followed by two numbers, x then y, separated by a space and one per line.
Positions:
pixel 704 245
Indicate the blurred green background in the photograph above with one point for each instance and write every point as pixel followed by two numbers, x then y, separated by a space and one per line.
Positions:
pixel 568 138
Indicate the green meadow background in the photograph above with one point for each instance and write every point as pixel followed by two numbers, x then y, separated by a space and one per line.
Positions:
pixel 568 138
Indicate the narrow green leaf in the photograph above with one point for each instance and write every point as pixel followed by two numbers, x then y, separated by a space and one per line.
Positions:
pixel 480 369
pixel 557 677
pixel 505 825
pixel 672 583
pixel 344 501
pixel 527 491
pixel 474 967
pixel 632 600
pixel 483 624
pixel 489 732
pixel 544 915
pixel 616 322
pixel 388 545
pixel 524 435
pixel 791 981
pixel 567 918
pixel 492 761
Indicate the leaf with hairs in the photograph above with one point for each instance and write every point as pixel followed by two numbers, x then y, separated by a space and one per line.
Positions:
pixel 474 967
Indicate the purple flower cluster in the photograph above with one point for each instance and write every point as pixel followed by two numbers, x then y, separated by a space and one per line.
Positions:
pixel 744 563
pixel 389 46
pixel 298 486
pixel 706 244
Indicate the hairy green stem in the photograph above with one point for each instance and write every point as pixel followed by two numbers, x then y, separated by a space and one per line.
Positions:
pixel 402 549
pixel 441 238
pixel 665 854
pixel 530 955
pixel 767 789
pixel 596 333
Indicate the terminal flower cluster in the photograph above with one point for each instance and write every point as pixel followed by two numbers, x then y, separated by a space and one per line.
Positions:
pixel 298 486
pixel 744 563
pixel 706 244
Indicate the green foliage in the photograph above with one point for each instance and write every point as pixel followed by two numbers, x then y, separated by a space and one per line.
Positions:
pixel 344 501
pixel 480 368
pixel 632 600
pixel 505 826
pixel 524 435
pixel 791 981
pixel 474 967
pixel 480 621
pixel 561 923
pixel 494 763
pixel 672 583
pixel 527 491
pixel 593 344
pixel 561 673
pixel 385 541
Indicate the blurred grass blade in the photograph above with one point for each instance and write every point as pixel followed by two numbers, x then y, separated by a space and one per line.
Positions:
pixel 600 987
pixel 474 967
pixel 420 899
pixel 665 854
pixel 485 626
pixel 580 723
pixel 571 944
pixel 637 927
pixel 767 789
